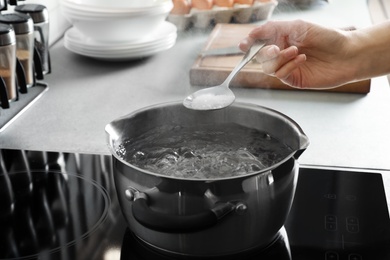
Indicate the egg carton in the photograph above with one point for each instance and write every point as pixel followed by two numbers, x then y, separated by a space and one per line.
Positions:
pixel 239 13
pixel 302 3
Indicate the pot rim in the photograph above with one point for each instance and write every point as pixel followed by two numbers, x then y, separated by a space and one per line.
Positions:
pixel 304 142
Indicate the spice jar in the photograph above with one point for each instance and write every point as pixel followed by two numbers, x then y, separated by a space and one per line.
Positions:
pixel 8 61
pixel 40 17
pixel 24 32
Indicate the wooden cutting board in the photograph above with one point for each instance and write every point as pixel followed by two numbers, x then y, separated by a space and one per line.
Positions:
pixel 213 70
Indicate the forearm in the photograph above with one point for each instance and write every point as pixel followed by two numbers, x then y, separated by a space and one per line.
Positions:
pixel 370 48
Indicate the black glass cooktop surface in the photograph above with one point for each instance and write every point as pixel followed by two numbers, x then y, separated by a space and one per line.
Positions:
pixel 64 206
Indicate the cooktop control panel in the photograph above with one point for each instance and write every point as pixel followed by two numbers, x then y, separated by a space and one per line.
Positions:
pixel 339 215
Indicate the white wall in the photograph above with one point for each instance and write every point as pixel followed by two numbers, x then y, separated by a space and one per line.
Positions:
pixel 58 24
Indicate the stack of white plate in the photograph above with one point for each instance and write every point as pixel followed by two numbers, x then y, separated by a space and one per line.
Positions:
pixel 162 39
pixel 119 30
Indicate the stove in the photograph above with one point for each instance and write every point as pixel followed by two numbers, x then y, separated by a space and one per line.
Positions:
pixel 56 205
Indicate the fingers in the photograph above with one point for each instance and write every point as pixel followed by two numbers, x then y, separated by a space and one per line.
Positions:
pixel 246 43
pixel 281 57
pixel 268 53
pixel 288 68
pixel 272 60
pixel 276 62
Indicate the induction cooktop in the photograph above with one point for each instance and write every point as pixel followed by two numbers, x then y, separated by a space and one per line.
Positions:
pixel 56 205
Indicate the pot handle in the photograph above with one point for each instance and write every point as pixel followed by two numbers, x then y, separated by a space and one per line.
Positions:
pixel 174 223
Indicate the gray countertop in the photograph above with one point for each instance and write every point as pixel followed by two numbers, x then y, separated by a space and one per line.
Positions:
pixel 346 130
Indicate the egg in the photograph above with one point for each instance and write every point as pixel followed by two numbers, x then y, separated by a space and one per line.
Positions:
pixel 181 7
pixel 244 2
pixel 202 4
pixel 224 3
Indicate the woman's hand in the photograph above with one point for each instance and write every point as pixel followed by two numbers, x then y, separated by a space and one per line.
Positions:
pixel 302 54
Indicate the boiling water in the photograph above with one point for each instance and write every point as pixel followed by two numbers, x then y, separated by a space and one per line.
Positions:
pixel 211 151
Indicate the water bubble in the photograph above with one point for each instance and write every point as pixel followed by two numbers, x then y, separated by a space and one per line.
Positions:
pixel 209 151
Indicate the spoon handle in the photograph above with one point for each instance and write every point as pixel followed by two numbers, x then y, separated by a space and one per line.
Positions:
pixel 253 50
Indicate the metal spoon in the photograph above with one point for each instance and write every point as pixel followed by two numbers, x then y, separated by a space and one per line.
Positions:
pixel 221 96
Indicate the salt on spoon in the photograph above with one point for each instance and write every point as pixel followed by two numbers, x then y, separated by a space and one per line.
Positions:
pixel 221 96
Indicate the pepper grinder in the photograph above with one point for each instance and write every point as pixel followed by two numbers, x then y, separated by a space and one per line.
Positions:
pixel 40 17
pixel 8 89
pixel 24 32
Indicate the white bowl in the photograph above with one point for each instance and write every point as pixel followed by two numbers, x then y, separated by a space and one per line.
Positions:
pixel 118 5
pixel 112 26
pixel 113 13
